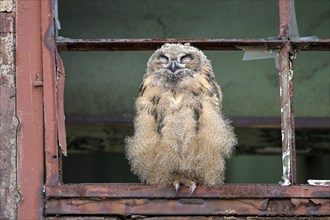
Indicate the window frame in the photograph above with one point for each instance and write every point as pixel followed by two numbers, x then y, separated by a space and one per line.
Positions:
pixel 60 199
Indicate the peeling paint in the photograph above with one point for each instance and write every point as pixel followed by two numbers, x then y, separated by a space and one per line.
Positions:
pixel 147 207
pixel 318 182
pixel 7 5
pixel 288 149
pixel 230 211
pixel 286 169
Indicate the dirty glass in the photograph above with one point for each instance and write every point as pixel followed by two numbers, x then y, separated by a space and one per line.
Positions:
pixel 169 19
pixel 313 18
pixel 312 99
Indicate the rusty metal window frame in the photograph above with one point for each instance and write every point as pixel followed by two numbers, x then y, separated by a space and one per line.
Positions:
pixel 289 199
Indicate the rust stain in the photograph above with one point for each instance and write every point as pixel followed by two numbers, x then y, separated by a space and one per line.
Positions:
pixel 230 191
pixel 67 44
pixel 238 207
pixel 53 160
pixel 284 6
pixel 152 44
pixel 314 45
pixel 314 206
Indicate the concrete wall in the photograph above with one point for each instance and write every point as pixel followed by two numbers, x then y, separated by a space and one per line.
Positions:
pixel 9 196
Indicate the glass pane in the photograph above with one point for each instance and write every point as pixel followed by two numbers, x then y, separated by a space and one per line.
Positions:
pixel 250 88
pixel 103 83
pixel 313 167
pixel 169 19
pixel 313 18
pixel 312 84
pixel 254 169
pixel 99 167
pixel 312 99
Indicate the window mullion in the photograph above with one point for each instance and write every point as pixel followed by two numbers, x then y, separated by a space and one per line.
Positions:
pixel 287 97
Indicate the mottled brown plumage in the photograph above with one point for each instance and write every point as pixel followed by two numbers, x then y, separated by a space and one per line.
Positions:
pixel 181 137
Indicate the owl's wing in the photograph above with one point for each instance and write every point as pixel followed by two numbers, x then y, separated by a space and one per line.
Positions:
pixel 145 83
pixel 148 99
pixel 141 147
pixel 209 84
pixel 216 88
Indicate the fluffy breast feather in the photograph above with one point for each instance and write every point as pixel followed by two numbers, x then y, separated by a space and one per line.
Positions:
pixel 180 131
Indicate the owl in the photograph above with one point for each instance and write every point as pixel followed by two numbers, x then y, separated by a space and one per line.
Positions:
pixel 180 136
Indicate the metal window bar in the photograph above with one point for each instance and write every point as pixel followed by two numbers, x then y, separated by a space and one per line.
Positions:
pixel 287 95
pixel 67 44
pixel 232 199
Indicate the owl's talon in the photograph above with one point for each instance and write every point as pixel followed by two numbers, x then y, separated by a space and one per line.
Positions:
pixel 177 184
pixel 192 188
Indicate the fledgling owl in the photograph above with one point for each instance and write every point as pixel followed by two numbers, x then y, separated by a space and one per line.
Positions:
pixel 181 136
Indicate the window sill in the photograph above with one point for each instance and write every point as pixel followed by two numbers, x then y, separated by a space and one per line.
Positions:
pixel 228 199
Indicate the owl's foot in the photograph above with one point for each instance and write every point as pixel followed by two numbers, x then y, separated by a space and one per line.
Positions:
pixel 192 186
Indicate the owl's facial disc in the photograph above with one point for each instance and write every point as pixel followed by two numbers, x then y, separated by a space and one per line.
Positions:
pixel 174 66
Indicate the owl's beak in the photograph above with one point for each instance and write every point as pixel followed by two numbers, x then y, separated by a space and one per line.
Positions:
pixel 173 67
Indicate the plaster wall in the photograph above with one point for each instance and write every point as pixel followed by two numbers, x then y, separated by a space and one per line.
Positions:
pixel 9 196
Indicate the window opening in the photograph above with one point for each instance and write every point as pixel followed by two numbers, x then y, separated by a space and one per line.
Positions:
pixel 84 198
